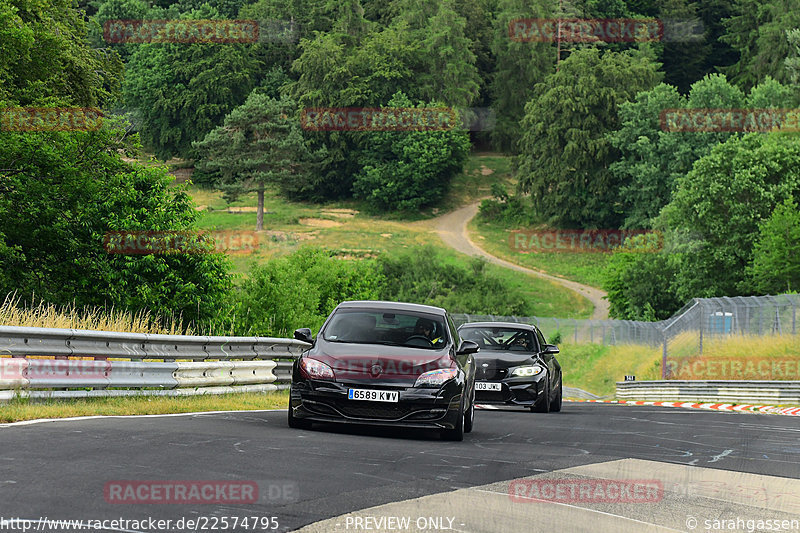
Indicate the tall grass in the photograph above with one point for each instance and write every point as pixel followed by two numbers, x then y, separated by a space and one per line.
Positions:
pixel 596 368
pixel 15 312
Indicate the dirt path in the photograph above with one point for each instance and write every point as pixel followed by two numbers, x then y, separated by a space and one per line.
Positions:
pixel 452 228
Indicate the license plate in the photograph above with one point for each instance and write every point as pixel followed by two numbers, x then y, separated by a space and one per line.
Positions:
pixel 373 395
pixel 485 385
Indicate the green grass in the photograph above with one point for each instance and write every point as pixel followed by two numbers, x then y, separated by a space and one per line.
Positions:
pixel 24 409
pixel 475 183
pixel 595 368
pixel 586 268
pixel 342 228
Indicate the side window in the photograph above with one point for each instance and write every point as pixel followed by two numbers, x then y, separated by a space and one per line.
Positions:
pixel 541 340
pixel 453 331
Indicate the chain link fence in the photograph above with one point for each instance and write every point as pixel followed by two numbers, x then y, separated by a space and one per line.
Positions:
pixel 698 321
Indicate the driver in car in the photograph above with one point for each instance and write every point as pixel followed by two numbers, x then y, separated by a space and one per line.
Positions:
pixel 424 327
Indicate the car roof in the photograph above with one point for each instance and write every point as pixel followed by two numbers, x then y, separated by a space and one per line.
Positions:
pixel 517 325
pixel 394 306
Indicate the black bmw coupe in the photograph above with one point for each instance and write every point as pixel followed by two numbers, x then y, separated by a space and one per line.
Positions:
pixel 386 363
pixel 515 366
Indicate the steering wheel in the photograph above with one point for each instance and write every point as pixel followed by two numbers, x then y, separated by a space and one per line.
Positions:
pixel 420 337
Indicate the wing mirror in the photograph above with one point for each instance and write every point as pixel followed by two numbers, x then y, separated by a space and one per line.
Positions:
pixel 467 347
pixel 304 334
pixel 551 349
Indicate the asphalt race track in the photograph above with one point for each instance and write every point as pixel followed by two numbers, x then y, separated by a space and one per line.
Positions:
pixel 709 466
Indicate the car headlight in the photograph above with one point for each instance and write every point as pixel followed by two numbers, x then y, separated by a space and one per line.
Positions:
pixel 527 371
pixel 316 369
pixel 435 378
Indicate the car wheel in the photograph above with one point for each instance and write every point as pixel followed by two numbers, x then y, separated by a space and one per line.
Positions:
pixel 543 405
pixel 555 405
pixel 469 417
pixel 297 423
pixel 457 433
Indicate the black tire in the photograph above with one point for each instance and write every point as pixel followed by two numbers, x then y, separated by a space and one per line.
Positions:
pixel 555 405
pixel 469 416
pixel 297 423
pixel 543 405
pixel 457 433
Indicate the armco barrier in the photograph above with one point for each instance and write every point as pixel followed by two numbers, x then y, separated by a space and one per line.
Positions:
pixel 23 341
pixel 188 364
pixel 774 392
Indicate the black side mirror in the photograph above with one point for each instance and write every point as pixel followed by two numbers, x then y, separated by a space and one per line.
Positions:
pixel 468 347
pixel 551 349
pixel 304 334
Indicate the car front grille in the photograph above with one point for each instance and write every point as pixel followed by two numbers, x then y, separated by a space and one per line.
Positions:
pixel 371 410
pixel 491 373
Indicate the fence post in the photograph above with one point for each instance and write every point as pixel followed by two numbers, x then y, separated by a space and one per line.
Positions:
pixel 794 316
pixel 576 330
pixel 701 333
pixel 664 358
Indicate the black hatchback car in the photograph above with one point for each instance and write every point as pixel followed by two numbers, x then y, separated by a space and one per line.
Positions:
pixel 515 366
pixel 385 363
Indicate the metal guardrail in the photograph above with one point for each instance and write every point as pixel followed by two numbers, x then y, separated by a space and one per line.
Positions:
pixel 185 364
pixel 780 392
pixel 24 341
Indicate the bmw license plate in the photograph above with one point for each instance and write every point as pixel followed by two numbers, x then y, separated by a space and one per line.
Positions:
pixel 485 385
pixel 373 395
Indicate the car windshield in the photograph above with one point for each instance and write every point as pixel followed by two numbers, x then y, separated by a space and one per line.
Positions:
pixel 380 326
pixel 499 338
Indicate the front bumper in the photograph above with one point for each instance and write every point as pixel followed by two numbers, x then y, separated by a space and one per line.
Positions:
pixel 325 401
pixel 514 391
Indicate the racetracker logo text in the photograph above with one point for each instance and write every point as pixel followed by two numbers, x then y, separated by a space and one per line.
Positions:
pixel 374 119
pixel 180 31
pixel 18 369
pixel 707 120
pixel 586 490
pixel 585 30
pixel 181 492
pixel 568 240
pixel 179 242
pixel 50 119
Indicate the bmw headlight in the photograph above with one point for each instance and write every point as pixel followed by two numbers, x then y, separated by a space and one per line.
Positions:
pixel 527 371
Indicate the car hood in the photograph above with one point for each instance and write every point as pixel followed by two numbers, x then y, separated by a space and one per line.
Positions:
pixel 375 361
pixel 505 359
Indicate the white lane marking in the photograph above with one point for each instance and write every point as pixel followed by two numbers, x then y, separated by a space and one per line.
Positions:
pixel 93 417
pixel 505 494
pixel 720 456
